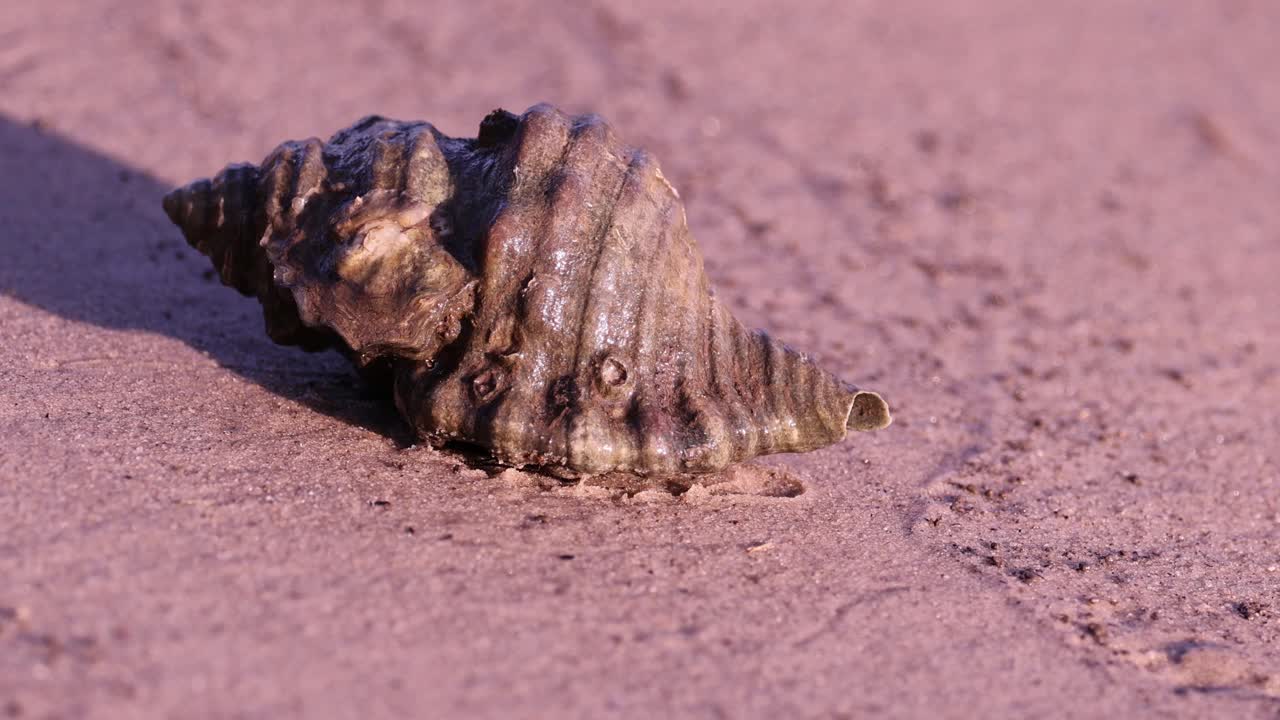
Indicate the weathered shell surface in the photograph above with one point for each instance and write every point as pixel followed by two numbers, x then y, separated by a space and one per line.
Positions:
pixel 534 291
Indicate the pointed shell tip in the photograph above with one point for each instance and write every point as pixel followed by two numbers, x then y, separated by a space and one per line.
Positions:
pixel 173 205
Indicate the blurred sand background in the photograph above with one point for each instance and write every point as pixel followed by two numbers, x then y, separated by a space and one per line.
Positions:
pixel 1048 232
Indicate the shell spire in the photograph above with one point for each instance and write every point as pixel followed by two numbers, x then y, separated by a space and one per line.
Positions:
pixel 223 218
pixel 535 292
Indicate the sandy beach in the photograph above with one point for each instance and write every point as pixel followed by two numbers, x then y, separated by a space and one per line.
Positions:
pixel 1049 234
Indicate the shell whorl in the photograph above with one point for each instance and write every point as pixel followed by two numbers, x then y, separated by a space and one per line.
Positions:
pixel 536 291
pixel 223 218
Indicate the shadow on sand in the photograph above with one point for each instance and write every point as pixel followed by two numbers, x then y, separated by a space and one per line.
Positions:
pixel 85 238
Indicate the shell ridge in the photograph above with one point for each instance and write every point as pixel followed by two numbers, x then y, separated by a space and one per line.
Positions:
pixel 569 245
pixel 579 366
pixel 518 273
pixel 797 394
pixel 608 331
pixel 650 435
pixel 427 177
pixel 598 239
pixel 391 159
pixel 742 434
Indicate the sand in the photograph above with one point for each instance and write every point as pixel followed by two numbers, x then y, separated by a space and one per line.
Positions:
pixel 1048 233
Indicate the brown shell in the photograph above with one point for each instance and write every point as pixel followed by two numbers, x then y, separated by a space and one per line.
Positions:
pixel 534 291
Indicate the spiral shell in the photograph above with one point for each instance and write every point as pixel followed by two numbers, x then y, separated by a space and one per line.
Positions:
pixel 534 292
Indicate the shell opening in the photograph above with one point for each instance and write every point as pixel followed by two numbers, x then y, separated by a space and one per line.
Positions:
pixel 868 411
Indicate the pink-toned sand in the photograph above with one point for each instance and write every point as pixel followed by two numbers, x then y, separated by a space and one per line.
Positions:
pixel 1048 232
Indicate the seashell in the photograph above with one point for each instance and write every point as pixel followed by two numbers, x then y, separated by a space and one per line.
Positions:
pixel 534 292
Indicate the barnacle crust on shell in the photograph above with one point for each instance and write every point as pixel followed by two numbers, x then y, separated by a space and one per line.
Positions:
pixel 534 292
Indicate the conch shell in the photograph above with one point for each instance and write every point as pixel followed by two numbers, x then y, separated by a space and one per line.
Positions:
pixel 533 292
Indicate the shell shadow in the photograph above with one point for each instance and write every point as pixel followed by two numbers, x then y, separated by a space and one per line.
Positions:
pixel 745 480
pixel 87 240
